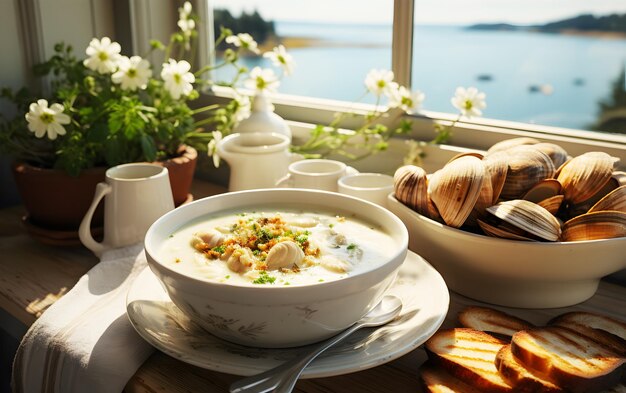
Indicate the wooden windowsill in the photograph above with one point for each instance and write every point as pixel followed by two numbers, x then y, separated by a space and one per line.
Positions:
pixel 33 276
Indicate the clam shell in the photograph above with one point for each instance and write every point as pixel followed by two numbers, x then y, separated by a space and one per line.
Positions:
pixel 557 154
pixel 527 166
pixel 497 167
pixel 529 217
pixel 614 200
pixel 585 175
pixel 594 226
pixel 495 231
pixel 457 188
pixel 560 168
pixel 552 204
pixel 620 177
pixel 544 189
pixel 574 210
pixel 471 154
pixel 509 143
pixel 284 255
pixel 411 188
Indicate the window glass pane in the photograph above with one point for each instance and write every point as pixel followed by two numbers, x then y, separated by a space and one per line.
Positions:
pixel 333 45
pixel 532 71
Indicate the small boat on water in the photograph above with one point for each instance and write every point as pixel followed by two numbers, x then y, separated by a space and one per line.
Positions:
pixel 484 77
pixel 545 89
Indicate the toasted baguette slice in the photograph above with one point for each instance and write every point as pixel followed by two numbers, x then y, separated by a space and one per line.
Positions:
pixel 468 355
pixel 606 330
pixel 492 321
pixel 437 380
pixel 567 358
pixel 519 376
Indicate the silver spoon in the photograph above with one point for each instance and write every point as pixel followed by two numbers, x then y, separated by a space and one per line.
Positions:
pixel 283 378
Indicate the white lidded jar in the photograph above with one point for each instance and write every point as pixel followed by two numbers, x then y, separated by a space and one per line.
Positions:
pixel 263 119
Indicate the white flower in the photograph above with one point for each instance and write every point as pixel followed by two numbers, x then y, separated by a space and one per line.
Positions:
pixel 212 148
pixel 185 23
pixel 280 58
pixel 103 55
pixel 469 102
pixel 184 11
pixel 380 82
pixel 132 73
pixel 243 107
pixel 244 41
pixel 406 100
pixel 42 119
pixel 177 78
pixel 262 79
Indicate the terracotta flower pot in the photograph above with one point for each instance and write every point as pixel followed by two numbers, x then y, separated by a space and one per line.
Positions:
pixel 56 200
pixel 181 170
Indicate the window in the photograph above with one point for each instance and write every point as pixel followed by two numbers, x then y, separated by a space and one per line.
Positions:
pixel 532 69
pixel 333 45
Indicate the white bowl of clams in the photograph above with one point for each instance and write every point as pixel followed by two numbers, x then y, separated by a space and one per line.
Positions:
pixel 523 225
pixel 276 267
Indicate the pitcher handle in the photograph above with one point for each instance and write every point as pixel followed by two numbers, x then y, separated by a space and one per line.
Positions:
pixel 284 182
pixel 84 231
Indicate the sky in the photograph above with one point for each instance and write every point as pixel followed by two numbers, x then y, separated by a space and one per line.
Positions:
pixel 426 11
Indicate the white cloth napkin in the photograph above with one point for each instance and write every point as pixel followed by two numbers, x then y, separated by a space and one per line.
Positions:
pixel 84 342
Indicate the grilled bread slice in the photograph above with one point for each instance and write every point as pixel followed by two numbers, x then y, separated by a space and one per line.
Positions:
pixel 469 355
pixel 436 380
pixel 492 321
pixel 519 376
pixel 567 358
pixel 606 330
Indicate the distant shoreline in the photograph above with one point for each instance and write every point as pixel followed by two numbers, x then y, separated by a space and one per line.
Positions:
pixel 311 42
pixel 611 35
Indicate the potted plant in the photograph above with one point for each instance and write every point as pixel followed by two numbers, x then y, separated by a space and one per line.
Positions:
pixel 107 109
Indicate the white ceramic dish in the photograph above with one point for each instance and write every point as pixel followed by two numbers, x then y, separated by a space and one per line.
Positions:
pixel 425 304
pixel 512 273
pixel 277 316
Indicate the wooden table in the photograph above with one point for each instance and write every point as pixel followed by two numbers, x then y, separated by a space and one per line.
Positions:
pixel 33 276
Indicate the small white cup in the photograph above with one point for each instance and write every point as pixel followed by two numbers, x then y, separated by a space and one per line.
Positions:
pixel 319 174
pixel 373 187
pixel 135 195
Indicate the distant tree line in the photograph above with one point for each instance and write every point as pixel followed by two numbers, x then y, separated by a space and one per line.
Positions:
pixel 252 23
pixel 587 22
pixel 614 23
pixel 612 116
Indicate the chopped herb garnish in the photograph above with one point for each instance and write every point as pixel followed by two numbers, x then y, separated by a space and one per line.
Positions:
pixel 331 225
pixel 320 280
pixel 264 278
pixel 352 246
pixel 227 276
pixel 287 283
pixel 302 238
pixel 219 249
pixel 172 235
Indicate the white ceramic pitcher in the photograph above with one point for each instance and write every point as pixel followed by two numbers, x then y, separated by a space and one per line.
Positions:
pixel 135 195
pixel 256 160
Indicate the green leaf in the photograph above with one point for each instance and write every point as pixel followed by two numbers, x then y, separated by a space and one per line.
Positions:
pixel 112 152
pixel 148 147
pixel 97 134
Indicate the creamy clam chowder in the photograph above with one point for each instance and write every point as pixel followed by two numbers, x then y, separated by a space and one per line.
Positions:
pixel 277 248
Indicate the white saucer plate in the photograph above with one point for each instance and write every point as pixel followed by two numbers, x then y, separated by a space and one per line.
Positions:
pixel 425 300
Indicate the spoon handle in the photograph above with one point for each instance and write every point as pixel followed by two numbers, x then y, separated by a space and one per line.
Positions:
pixel 284 377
